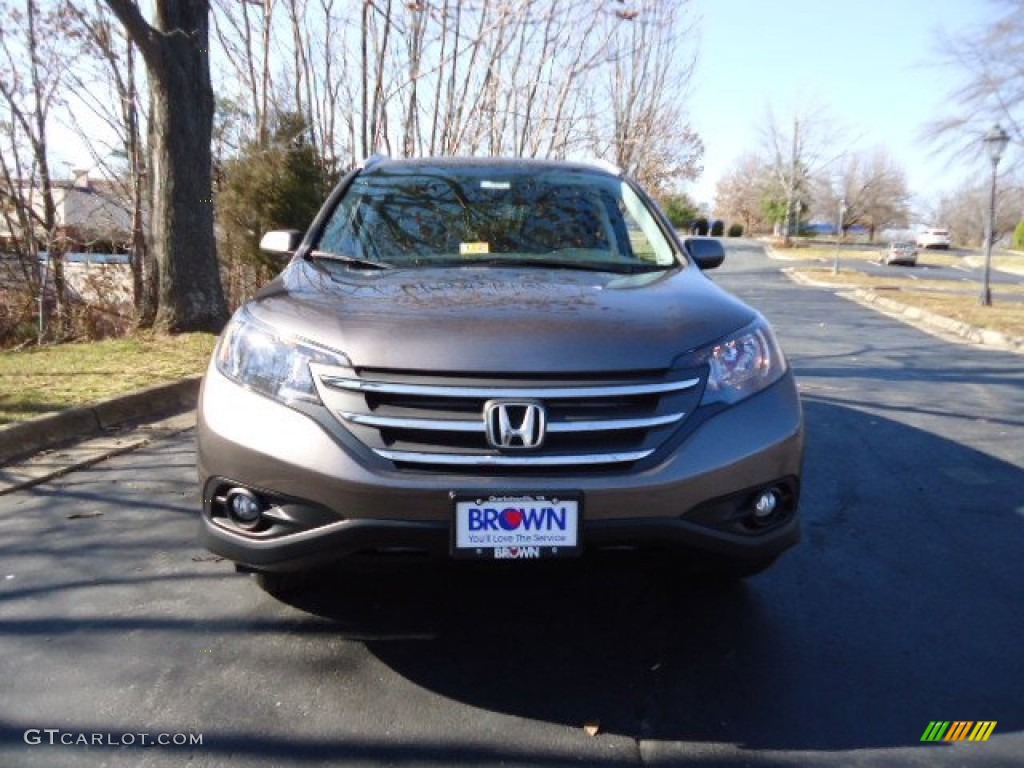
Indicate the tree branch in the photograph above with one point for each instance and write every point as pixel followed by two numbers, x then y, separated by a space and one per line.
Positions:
pixel 140 31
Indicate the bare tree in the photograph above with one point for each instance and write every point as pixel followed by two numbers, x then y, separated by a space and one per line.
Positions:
pixel 740 193
pixel 445 77
pixel 549 109
pixel 989 60
pixel 965 209
pixel 874 188
pixel 797 152
pixel 312 86
pixel 176 51
pixel 105 83
pixel 32 72
pixel 647 82
pixel 245 31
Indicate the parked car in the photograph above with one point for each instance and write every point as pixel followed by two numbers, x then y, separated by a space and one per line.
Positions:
pixel 901 252
pixel 496 359
pixel 934 238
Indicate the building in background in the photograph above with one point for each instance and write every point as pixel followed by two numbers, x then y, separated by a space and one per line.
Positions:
pixel 92 216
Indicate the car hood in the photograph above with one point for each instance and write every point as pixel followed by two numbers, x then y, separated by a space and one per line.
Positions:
pixel 493 319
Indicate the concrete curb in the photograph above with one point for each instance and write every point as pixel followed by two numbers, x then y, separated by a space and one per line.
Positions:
pixel 25 438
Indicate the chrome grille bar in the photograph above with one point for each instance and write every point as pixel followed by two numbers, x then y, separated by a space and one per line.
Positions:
pixel 488 393
pixel 504 460
pixel 464 425
pixel 607 425
pixel 433 425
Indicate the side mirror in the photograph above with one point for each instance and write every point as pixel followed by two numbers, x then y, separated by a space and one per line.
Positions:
pixel 708 252
pixel 281 241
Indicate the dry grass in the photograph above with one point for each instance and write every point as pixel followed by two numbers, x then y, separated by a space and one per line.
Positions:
pixel 45 379
pixel 1003 317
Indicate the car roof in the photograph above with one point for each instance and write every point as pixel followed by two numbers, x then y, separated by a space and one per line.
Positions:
pixel 378 162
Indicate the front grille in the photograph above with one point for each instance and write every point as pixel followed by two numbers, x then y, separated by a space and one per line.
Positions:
pixel 438 422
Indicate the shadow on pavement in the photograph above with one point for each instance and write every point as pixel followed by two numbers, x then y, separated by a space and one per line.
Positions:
pixel 900 607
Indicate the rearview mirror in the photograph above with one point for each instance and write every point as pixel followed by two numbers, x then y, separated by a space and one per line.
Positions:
pixel 281 241
pixel 708 252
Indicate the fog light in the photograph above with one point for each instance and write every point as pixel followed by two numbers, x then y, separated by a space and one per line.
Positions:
pixel 244 508
pixel 765 504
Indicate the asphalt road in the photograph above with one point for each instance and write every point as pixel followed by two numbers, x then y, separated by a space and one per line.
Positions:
pixel 903 605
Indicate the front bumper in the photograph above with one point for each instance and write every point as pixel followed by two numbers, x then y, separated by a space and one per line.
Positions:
pixel 331 505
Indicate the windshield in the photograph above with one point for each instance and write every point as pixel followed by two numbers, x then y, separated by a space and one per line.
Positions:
pixel 476 216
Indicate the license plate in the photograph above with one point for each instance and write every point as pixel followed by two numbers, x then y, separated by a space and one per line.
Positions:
pixel 516 527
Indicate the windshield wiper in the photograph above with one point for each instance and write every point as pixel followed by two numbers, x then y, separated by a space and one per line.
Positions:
pixel 354 261
pixel 585 266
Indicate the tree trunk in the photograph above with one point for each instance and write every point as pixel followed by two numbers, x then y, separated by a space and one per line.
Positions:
pixel 176 50
pixel 188 278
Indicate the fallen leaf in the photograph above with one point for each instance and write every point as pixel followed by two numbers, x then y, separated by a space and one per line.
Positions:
pixel 592 729
pixel 207 559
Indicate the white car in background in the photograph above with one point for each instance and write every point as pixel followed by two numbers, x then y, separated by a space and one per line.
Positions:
pixel 900 252
pixel 934 238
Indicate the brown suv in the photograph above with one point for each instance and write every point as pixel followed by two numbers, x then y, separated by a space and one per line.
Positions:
pixel 496 359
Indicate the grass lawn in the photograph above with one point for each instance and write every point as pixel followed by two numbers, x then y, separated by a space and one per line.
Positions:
pixel 45 379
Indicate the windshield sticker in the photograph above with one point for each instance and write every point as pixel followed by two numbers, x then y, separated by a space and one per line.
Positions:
pixel 485 184
pixel 472 249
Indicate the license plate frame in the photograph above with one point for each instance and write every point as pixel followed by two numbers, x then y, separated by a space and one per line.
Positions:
pixel 516 526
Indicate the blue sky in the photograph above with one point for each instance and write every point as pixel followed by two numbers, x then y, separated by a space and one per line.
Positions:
pixel 870 65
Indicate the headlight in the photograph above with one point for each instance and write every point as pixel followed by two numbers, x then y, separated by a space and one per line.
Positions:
pixel 255 356
pixel 739 365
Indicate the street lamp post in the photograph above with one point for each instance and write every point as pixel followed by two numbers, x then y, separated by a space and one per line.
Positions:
pixel 995 142
pixel 839 234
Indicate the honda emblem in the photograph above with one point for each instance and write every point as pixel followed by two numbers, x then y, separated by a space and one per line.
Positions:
pixel 515 425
